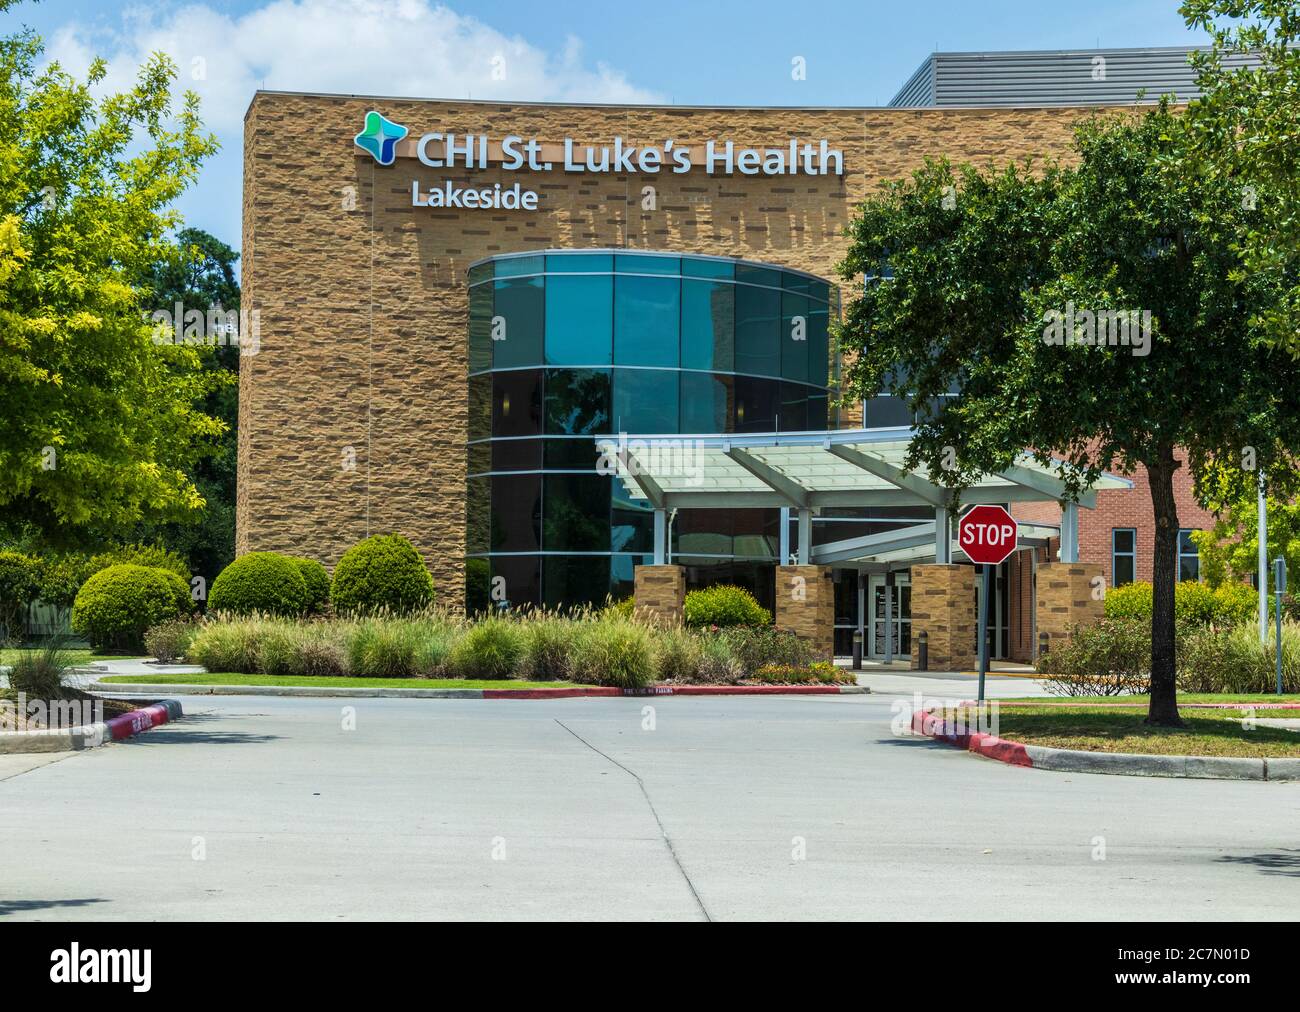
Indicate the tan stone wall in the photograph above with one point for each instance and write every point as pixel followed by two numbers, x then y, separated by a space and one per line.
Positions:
pixel 353 415
pixel 659 593
pixel 943 605
pixel 1067 598
pixel 805 605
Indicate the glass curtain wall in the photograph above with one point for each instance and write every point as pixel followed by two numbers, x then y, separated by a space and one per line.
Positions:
pixel 566 346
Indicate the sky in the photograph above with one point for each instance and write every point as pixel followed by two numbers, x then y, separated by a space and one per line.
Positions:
pixel 703 52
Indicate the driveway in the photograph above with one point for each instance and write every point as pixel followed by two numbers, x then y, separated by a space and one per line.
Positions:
pixel 684 808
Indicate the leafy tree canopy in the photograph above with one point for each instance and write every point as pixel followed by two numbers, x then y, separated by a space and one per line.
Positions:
pixel 976 270
pixel 99 430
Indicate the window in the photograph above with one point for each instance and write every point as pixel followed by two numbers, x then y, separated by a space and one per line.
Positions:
pixel 647 313
pixel 645 400
pixel 708 325
pixel 758 329
pixel 1189 560
pixel 516 336
pixel 1123 556
pixel 577 402
pixel 579 319
pixel 705 402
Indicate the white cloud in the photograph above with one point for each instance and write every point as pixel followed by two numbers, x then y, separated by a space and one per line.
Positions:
pixel 380 47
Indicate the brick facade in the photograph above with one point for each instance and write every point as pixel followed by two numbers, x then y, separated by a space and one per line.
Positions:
pixel 805 605
pixel 659 593
pixel 353 414
pixel 943 607
pixel 1067 597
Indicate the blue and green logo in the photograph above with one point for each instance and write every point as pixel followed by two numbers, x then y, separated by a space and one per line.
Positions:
pixel 380 137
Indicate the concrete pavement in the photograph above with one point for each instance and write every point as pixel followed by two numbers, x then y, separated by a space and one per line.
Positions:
pixel 792 807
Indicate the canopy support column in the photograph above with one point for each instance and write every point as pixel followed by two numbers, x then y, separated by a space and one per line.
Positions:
pixel 942 538
pixel 805 537
pixel 1069 532
pixel 661 536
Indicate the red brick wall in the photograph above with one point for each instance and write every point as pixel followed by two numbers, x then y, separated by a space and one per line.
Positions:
pixel 1127 508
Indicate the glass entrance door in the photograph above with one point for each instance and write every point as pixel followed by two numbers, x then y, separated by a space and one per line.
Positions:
pixel 899 623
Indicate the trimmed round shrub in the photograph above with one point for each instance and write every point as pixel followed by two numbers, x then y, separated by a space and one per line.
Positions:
pixel 724 605
pixel 116 605
pixel 317 580
pixel 383 572
pixel 152 556
pixel 614 652
pixel 490 648
pixel 264 582
pixel 20 582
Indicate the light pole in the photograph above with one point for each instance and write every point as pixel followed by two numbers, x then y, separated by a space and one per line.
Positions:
pixel 1263 561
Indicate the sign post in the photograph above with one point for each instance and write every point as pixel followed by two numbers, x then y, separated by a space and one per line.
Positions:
pixel 1279 588
pixel 988 536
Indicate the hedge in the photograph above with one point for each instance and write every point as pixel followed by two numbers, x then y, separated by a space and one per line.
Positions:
pixel 384 572
pixel 117 605
pixel 20 577
pixel 317 581
pixel 265 582
pixel 724 605
pixel 1194 603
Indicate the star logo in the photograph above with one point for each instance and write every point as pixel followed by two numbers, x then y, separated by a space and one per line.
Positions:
pixel 380 137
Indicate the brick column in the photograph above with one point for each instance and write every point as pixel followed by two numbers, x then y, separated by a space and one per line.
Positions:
pixel 659 593
pixel 943 606
pixel 805 605
pixel 1067 597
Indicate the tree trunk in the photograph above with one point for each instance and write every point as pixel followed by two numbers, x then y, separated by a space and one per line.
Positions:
pixel 1164 692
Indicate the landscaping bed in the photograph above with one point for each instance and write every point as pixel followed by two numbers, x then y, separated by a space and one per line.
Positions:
pixel 1106 727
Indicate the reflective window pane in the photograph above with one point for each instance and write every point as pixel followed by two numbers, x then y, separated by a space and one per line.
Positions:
pixel 706 403
pixel 632 529
pixel 758 325
pixel 577 402
pixel 575 579
pixel 510 267
pixel 708 325
pixel 517 403
pixel 647 312
pixel 516 454
pixel 516 324
pixel 516 512
pixel 645 400
pixel 639 263
pixel 699 267
pixel 794 408
pixel 577 513
pixel 580 263
pixel 757 404
pixel 570 455
pixel 478 514
pixel 521 577
pixel 480 406
pixel 795 337
pixel 579 320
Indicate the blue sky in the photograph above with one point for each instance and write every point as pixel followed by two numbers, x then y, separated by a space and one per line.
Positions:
pixel 702 52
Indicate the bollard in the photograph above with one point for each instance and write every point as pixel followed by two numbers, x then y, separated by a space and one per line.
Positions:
pixel 923 651
pixel 1042 644
pixel 857 649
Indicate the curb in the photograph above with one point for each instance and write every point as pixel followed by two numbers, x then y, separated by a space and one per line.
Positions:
pixel 130 688
pixel 91 735
pixel 1065 760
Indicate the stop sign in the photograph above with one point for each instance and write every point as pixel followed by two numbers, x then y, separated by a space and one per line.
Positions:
pixel 987 534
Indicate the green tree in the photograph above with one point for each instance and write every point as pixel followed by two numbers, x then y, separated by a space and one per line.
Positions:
pixel 199 275
pixel 1230 550
pixel 1247 125
pixel 99 429
pixel 977 268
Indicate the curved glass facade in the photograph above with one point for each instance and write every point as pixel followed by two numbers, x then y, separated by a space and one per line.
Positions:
pixel 566 346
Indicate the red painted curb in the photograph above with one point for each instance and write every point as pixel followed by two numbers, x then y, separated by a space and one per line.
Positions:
pixel 1011 752
pixel 132 723
pixel 666 690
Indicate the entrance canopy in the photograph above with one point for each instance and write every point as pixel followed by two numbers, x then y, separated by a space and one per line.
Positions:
pixel 808 471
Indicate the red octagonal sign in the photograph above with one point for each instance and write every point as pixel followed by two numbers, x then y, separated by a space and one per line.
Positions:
pixel 987 534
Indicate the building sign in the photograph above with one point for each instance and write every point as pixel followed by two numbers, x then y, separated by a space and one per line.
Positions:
pixel 437 150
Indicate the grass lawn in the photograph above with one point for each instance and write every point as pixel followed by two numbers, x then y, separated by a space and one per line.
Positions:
pixel 232 678
pixel 1183 697
pixel 75 655
pixel 1102 728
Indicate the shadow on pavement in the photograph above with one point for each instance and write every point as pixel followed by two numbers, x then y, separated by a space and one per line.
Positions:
pixel 26 906
pixel 189 730
pixel 1285 862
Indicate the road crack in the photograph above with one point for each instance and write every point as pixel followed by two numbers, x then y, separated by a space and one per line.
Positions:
pixel 663 832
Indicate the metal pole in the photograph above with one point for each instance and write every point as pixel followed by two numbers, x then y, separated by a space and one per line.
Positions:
pixel 1279 587
pixel 984 631
pixel 889 618
pixel 1263 561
